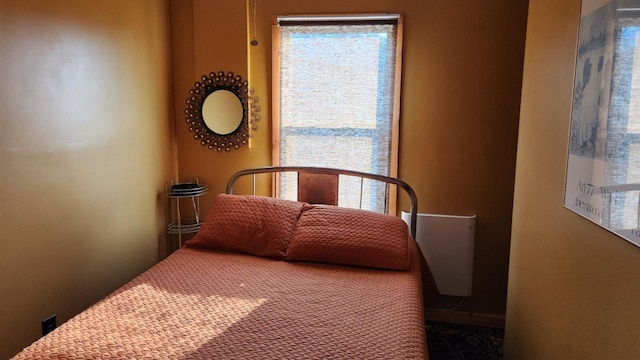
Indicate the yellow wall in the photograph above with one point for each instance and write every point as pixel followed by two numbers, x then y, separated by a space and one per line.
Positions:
pixel 211 36
pixel 88 137
pixel 462 73
pixel 85 152
pixel 573 286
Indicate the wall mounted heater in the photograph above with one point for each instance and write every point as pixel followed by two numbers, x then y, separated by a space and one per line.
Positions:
pixel 447 243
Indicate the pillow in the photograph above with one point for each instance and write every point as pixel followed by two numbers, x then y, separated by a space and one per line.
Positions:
pixel 345 236
pixel 249 224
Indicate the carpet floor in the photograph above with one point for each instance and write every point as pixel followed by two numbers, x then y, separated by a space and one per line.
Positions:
pixel 455 341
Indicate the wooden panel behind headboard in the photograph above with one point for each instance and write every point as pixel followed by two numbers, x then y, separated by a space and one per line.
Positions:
pixel 316 188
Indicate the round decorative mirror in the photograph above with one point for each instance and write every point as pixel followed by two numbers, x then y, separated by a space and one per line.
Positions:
pixel 222 111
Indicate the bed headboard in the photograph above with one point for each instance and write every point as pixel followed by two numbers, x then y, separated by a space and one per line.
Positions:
pixel 329 179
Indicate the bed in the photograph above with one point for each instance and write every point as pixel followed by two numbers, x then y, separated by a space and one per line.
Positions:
pixel 265 278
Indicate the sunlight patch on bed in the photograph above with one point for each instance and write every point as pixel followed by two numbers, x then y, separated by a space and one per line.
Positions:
pixel 161 326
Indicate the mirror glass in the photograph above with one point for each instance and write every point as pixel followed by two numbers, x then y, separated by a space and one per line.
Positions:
pixel 603 165
pixel 222 112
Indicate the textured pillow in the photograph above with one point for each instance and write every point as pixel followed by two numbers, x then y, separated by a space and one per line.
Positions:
pixel 344 236
pixel 254 225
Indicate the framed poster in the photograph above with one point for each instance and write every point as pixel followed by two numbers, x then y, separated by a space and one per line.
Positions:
pixel 603 165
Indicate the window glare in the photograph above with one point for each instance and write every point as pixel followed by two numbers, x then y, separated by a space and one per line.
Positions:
pixel 634 103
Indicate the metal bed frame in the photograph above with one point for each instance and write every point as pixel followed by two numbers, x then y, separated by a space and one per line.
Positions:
pixel 330 171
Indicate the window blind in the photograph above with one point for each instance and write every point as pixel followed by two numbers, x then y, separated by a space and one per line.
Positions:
pixel 336 101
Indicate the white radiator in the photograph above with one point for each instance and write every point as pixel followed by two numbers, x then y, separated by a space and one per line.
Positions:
pixel 447 243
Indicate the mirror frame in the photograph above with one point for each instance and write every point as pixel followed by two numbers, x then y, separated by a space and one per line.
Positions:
pixel 198 94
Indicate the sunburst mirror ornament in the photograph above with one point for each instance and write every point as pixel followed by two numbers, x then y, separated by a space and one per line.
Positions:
pixel 222 111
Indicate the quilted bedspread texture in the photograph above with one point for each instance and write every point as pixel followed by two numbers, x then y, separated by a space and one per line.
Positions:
pixel 203 304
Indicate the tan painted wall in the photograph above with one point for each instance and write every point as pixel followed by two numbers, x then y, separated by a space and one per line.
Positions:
pixel 212 37
pixel 85 152
pixel 573 286
pixel 85 104
pixel 459 117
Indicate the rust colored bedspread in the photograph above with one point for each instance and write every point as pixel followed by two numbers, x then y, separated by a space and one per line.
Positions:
pixel 199 304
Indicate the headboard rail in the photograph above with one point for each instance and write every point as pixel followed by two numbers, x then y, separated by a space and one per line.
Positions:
pixel 331 171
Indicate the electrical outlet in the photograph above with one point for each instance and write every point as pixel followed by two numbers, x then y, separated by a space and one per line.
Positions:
pixel 48 324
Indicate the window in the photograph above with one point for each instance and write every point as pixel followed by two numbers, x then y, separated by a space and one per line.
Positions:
pixel 336 100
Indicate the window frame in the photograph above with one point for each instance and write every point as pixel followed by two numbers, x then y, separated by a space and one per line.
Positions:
pixel 276 34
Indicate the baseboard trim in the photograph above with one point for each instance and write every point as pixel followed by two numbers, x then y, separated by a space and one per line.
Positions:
pixel 466 318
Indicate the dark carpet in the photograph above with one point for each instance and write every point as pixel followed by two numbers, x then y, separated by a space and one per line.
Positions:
pixel 455 341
